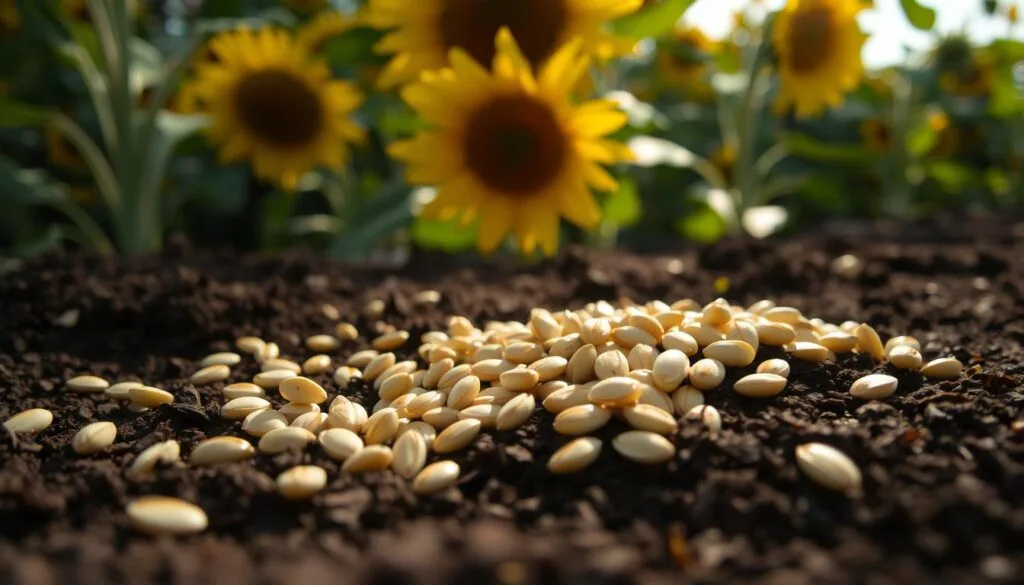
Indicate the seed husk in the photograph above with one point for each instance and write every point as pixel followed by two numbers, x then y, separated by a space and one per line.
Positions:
pixel 902 340
pixel 708 416
pixel 565 346
pixel 487 414
pixel 515 412
pixel 311 421
pixel 390 341
pixel 774 366
pixel 838 341
pixel 943 368
pixel 293 410
pixel 262 422
pixel 731 352
pixel 809 351
pixel 523 352
pixel 905 357
pixel 436 477
pixel 273 378
pixel 581 420
pixel 158 515
pixel 642 357
pixel 561 399
pixel 302 389
pixel 323 343
pixel 33 420
pixel 280 364
pixel 286 439
pixel 453 375
pixel 243 390
pixel 760 385
pixel 395 386
pixel 775 334
pixel 650 418
pixel 670 369
pixel 596 331
pixel 382 426
pixel 218 450
pixel 377 365
pixel 316 365
pixel 120 390
pixel 429 400
pixel 703 333
pixel 361 359
pixel 149 397
pixel 250 345
pixel 464 392
pixel 520 379
pixel 87 384
pixel 707 374
pixel 549 368
pixel 440 418
pixel 829 467
pixel 239 408
pixel 874 387
pixel 436 370
pixel 369 458
pixel 270 351
pixel 615 392
pixel 410 455
pixel 94 437
pixel 210 375
pixel 681 341
pixel 686 399
pixel 644 447
pixel 743 331
pixel 575 455
pixel 457 436
pixel 611 364
pixel 869 343
pixel 580 367
pixel 301 482
pixel 340 444
pixel 629 336
pixel 146 461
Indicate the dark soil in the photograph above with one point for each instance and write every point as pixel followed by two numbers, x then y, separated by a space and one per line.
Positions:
pixel 943 467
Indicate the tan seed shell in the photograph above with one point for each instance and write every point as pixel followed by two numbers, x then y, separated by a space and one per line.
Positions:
pixel 457 435
pixel 615 392
pixel 520 379
pixel 453 375
pixel 650 418
pixel 611 364
pixel 642 357
pixel 838 341
pixel 629 336
pixel 302 389
pixel 94 437
pixel 515 412
pixel 743 331
pixel 377 366
pixel 422 403
pixel 436 477
pixel 809 351
pixel 686 399
pixel 774 366
pixel 147 460
pixel 210 375
pixel 120 390
pixel 760 385
pixel 311 421
pixel 395 386
pixel 262 422
pixel 390 341
pixel 731 352
pixel 149 397
pixel 874 387
pixel 251 345
pixel 575 455
pixel 441 418
pixel 829 467
pixel 681 341
pixel 340 444
pixel 410 455
pixel 243 390
pixel 361 359
pixel 293 410
pixel 280 364
pixel 239 408
pixel 464 392
pixel 707 374
pixel 286 439
pixel 572 395
pixel 670 369
pixel 905 357
pixel 549 368
pixel 775 334
pixel 273 378
pixel 580 420
pixel 942 368
pixel 157 515
pixel 301 482
pixel 902 340
pixel 218 450
pixel 323 343
pixel 382 427
pixel 87 384
pixel 708 416
pixel 644 447
pixel 33 420
pixel 487 414
pixel 316 365
pixel 580 367
pixel 435 371
pixel 868 342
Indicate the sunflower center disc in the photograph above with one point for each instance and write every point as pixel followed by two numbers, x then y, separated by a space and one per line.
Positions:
pixel 811 37
pixel 279 108
pixel 515 145
pixel 537 26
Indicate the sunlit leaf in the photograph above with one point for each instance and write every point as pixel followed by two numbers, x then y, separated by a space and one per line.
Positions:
pixel 954 176
pixel 761 222
pixel 920 16
pixel 450 236
pixel 15 114
pixel 804 146
pixel 624 206
pixel 702 225
pixel 653 21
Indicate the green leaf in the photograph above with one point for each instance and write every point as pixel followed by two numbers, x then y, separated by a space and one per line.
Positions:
pixel 653 21
pixel 702 226
pixel 29 186
pixel 922 17
pixel 624 207
pixel 147 65
pixel 450 236
pixel 353 48
pixel 804 146
pixel 15 114
pixel 954 176
pixel 921 139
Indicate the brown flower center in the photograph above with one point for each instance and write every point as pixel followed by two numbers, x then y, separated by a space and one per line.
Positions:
pixel 537 26
pixel 279 108
pixel 514 144
pixel 811 38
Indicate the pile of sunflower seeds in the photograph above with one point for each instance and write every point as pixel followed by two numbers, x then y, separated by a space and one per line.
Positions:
pixel 648 365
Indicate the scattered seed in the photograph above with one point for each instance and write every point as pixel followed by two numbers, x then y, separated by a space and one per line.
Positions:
pixel 251 345
pixel 775 334
pixel 829 467
pixel 743 331
pixel 650 418
pixel 311 421
pixel 149 397
pixel 239 408
pixel 94 437
pixel 708 416
pixel 787 315
pixel 902 340
pixel 670 369
pixel 435 371
pixel 377 365
pixel 452 376
pixel 261 422
pixel 316 365
pixel 410 455
pixel 565 346
pixel 905 357
pixel 286 439
pixel 760 385
pixel 422 403
pixel 293 410
pixel 686 399
pixel 270 351
pixel 681 341
pixel 345 331
pixel 520 379
pixel 942 368
pixel 457 435
pixel 868 342
pixel 87 384
pixel 224 358
pixel 596 331
pixel 426 297
pixel 220 450
pixel 487 414
pixel 210 375
pixel 644 447
pixel 874 387
pixel 273 378
pixel 611 364
pixel 369 458
pixel 615 392
pixel 549 368
pixel 582 419
pixel 642 376
pixel 567 397
pixel 703 333
pixel 707 374
pixel 523 352
pixel 147 460
pixel 382 426
pixel 441 418
pixel 774 366
pixel 580 367
pixel 436 477
pixel 280 364
pixel 301 482
pixel 302 389
pixel 642 357
pixel 158 515
pixel 838 341
pixel 340 444
pixel 629 336
pixel 515 412
pixel 120 390
pixel 243 390
pixel 464 392
pixel 362 359
pixel 808 351
pixel 575 455
pixel 390 341
pixel 323 343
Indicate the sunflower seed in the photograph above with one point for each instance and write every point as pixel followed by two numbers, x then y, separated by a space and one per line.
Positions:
pixel 239 408
pixel 580 420
pixel 520 379
pixel 549 368
pixel 440 418
pixel 395 386
pixel 435 371
pixel 644 447
pixel 464 392
pixel 210 375
pixel 648 324
pixel 303 390
pixel 686 399
pixel 787 315
pixel 382 427
pixel 149 397
pixel 361 359
pixel 580 367
pixel 435 477
pixel 716 313
pixel 702 333
pixel 730 352
pixel 316 365
pixel 323 343
pixel 544 324
pixel 942 368
pixel 286 439
pixel 774 366
pixel 874 387
pixel 615 392
pixel 905 357
pixel 707 415
pixel 94 437
pixel 218 450
pixel 422 403
pixel 410 455
pixel 572 395
pixel 452 376
pixel 120 390
pixel 838 341
pixel 301 482
pixel 575 455
pixel 272 378
pixel 243 390
pixel 515 412
pixel 743 331
pixel 707 374
pixel 775 334
pixel 340 444
pixel 250 345
pixel 902 340
pixel 280 364
pixel 157 515
pixel 293 410
pixel 650 418
pixel 147 460
pixel 390 341
pixel 487 414
pixel 261 422
pixel 808 351
pixel 270 351
pixel 457 435
pixel 829 467
pixel 868 342
pixel 681 341
pixel 377 365
pixel 760 385
pixel 629 336
pixel 311 421
pixel 87 384
pixel 670 369
pixel 611 364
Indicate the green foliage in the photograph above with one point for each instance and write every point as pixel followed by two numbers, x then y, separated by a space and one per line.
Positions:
pixel 653 21
pixel 919 15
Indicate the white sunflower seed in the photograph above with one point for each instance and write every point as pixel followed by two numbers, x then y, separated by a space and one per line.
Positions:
pixel 580 367
pixel 323 343
pixel 239 408
pixel 378 365
pixel 390 341
pixel 464 392
pixel 760 385
pixel 316 365
pixel 515 412
pixel 301 482
pixel 902 340
pixel 382 426
pixel 218 450
pixel 774 366
pixel 774 334
pixel 302 389
pixel 572 395
pixel 94 437
pixel 340 444
pixel 311 421
pixel 441 418
pixel 942 368
pixel 147 460
pixel 286 439
pixel 436 477
pixel 293 410
pixel 33 420
pixel 457 435
pixel 869 343
pixel 838 341
pixel 611 364
pixel 158 515
pixel 650 418
pixel 615 392
pixel 549 368
pixel 644 447
pixel 120 390
pixel 905 357
pixel 410 455
pixel 273 378
pixel 829 467
pixel 453 375
pixel 210 375
pixel 670 369
pixel 149 397
pixel 243 390
pixel 874 387
pixel 681 341
pixel 731 352
pixel 250 345
pixel 261 422
pixel 580 420
pixel 87 384
pixel 520 379
pixel 707 374
pixel 575 455
pixel 361 359
pixel 808 351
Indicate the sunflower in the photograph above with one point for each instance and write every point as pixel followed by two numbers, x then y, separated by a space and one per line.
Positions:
pixel 315 34
pixel 875 135
pixel 683 63
pixel 305 6
pixel 270 102
pixel 510 147
pixel 426 29
pixel 818 43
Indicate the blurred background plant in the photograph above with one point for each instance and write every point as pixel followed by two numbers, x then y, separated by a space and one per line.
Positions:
pixel 122 121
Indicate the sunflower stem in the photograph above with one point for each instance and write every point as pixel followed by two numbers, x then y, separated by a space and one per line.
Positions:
pixel 136 235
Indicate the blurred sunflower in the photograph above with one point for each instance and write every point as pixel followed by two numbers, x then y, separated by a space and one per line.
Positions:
pixel 875 135
pixel 10 18
pixel 426 29
pixel 315 34
pixel 271 103
pixel 510 147
pixel 683 63
pixel 818 43
pixel 305 6
pixel 976 79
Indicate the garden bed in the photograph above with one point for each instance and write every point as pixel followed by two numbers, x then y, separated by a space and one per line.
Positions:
pixel 943 463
